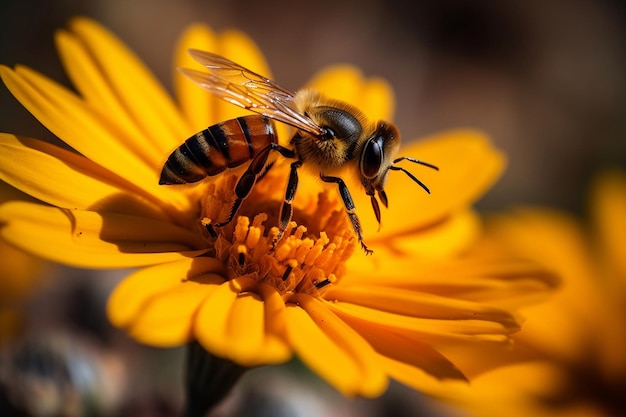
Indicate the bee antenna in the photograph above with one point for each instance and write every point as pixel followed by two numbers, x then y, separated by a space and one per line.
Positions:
pixel 417 161
pixel 413 177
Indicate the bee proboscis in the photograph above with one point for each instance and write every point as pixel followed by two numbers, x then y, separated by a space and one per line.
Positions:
pixel 331 136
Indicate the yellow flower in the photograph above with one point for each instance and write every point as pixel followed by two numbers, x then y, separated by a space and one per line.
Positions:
pixel 572 347
pixel 354 320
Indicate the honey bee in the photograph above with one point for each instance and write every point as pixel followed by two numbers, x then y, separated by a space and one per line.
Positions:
pixel 331 137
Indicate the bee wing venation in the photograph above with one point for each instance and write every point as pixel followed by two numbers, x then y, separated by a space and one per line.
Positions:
pixel 249 90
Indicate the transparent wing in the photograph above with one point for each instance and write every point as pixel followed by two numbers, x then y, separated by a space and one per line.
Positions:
pixel 249 90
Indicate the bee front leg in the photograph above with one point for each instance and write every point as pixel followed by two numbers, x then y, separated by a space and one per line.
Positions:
pixel 350 209
pixel 286 209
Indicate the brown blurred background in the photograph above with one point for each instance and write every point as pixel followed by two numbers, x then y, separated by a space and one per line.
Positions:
pixel 545 79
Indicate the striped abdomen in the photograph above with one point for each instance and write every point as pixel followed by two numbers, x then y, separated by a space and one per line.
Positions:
pixel 216 148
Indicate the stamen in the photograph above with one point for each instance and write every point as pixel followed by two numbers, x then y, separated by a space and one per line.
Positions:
pixel 305 258
pixel 287 272
pixel 322 284
pixel 206 222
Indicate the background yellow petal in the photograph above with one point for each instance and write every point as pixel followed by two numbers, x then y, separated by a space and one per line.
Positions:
pixel 197 105
pixel 201 108
pixel 94 240
pixel 127 301
pixel 468 166
pixel 143 97
pixel 373 96
pixel 608 205
pixel 333 349
pixel 240 48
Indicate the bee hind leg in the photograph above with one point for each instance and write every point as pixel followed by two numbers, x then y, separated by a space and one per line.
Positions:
pixel 350 208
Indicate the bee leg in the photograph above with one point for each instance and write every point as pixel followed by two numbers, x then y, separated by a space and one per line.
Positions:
pixel 246 182
pixel 350 209
pixel 286 209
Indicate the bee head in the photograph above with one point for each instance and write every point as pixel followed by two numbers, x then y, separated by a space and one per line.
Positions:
pixel 377 160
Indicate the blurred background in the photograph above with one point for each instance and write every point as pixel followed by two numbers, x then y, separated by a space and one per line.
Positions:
pixel 545 79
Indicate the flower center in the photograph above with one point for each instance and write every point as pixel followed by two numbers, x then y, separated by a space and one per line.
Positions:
pixel 311 252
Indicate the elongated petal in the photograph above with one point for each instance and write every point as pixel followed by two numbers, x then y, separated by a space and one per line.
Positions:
pixel 231 324
pixel 404 348
pixel 80 127
pixel 68 180
pixel 500 283
pixel 334 350
pixel 94 240
pixel 414 303
pixel 412 376
pixel 468 166
pixel 433 330
pixel 138 90
pixel 94 86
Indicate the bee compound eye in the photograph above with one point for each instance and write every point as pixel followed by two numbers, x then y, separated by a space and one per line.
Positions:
pixel 371 158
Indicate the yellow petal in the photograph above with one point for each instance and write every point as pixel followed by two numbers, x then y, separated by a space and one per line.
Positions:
pixel 507 284
pixel 608 201
pixel 94 240
pixel 68 180
pixel 143 97
pixel 432 330
pixel 440 240
pixel 198 106
pixel 415 304
pixel 167 319
pixel 468 166
pixel 411 376
pixel 405 348
pixel 374 97
pixel 377 99
pixel 231 324
pixel 87 76
pixel 157 305
pixel 332 349
pixel 70 119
